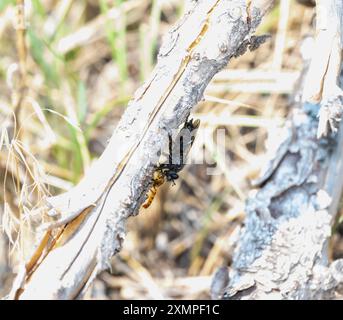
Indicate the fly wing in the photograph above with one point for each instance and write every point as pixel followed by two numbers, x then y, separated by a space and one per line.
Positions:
pixel 183 142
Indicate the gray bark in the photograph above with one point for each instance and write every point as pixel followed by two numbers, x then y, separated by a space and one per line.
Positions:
pixel 282 252
pixel 322 81
pixel 90 226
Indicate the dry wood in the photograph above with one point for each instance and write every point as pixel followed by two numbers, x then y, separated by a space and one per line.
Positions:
pixel 282 252
pixel 321 85
pixel 90 226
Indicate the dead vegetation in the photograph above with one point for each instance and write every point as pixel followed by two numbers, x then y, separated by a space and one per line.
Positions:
pixel 63 87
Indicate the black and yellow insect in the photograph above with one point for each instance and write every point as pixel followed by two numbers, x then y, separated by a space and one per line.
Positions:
pixel 178 150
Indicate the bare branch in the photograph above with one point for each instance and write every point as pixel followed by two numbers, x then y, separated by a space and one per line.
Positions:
pixel 282 252
pixel 321 85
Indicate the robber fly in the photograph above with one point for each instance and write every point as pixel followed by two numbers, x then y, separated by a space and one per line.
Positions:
pixel 178 150
pixel 178 153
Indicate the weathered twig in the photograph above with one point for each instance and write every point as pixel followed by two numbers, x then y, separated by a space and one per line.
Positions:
pixel 92 216
pixel 282 252
pixel 321 84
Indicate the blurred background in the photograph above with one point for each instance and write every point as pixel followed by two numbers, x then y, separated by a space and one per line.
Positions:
pixel 67 71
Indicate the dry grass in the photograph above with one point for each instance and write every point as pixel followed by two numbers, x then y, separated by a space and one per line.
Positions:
pixel 64 84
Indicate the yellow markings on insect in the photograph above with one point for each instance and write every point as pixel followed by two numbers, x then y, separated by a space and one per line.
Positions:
pixel 158 180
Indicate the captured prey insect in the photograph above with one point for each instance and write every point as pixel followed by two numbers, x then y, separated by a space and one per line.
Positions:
pixel 178 151
pixel 157 180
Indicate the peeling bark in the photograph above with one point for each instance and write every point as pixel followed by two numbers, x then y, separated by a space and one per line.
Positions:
pixel 282 251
